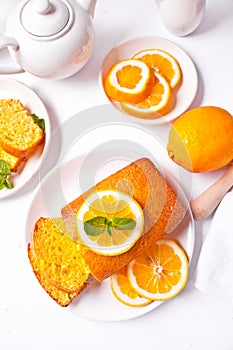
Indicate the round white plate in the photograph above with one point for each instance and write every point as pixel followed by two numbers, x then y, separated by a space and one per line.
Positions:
pixel 109 147
pixel 10 88
pixel 185 93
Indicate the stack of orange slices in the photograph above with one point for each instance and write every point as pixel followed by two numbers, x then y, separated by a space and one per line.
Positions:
pixel 144 84
pixel 160 274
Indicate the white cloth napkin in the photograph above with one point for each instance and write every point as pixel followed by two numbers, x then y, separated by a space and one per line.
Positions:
pixel 214 271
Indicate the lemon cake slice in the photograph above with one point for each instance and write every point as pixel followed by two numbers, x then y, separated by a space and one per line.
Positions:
pixel 57 261
pixel 12 161
pixel 62 298
pixel 19 134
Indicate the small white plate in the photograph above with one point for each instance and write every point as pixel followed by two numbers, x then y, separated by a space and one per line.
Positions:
pixel 112 146
pixel 185 93
pixel 10 88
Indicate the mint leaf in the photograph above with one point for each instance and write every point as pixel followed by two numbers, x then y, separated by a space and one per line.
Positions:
pixel 4 182
pixel 109 228
pixel 4 168
pixel 123 223
pixel 4 172
pixel 8 184
pixel 99 224
pixel 96 226
pixel 39 121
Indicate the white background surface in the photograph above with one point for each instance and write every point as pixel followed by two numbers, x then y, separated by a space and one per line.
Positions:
pixel 31 320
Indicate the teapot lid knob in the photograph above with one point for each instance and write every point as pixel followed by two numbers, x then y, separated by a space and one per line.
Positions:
pixel 44 18
pixel 43 6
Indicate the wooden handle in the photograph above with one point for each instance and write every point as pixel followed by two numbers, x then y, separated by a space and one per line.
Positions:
pixel 205 204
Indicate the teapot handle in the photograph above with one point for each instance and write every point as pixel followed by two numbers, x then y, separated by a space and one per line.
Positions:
pixel 88 5
pixel 6 42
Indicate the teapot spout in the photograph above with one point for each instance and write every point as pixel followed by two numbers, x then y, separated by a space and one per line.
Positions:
pixel 88 5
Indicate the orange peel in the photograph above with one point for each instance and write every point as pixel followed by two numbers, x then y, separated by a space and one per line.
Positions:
pixel 129 81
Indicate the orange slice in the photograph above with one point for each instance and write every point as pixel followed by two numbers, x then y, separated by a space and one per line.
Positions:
pixel 156 104
pixel 109 222
pixel 162 62
pixel 129 81
pixel 123 291
pixel 161 273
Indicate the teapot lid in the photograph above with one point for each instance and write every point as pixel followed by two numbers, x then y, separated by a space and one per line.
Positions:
pixel 44 18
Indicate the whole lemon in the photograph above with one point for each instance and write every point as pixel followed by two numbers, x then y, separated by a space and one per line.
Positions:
pixel 202 139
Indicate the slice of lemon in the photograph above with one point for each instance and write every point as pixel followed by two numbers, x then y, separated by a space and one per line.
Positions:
pixel 109 222
pixel 162 62
pixel 123 291
pixel 156 104
pixel 129 81
pixel 161 273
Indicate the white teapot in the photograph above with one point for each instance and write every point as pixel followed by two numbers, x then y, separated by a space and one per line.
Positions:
pixel 49 38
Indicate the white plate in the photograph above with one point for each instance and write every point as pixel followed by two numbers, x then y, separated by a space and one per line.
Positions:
pixel 185 93
pixel 120 144
pixel 10 88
